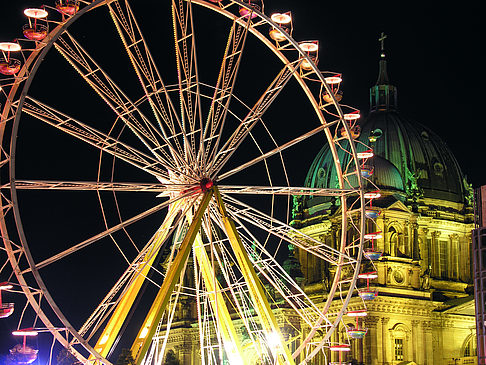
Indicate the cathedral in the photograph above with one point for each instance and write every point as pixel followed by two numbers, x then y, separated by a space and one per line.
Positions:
pixel 424 311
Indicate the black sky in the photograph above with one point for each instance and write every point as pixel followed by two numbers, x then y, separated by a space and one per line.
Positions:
pixel 434 58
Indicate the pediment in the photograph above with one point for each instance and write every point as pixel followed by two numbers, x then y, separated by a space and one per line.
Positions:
pixel 398 206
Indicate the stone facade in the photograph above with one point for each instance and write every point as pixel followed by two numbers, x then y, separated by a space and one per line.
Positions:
pixel 423 314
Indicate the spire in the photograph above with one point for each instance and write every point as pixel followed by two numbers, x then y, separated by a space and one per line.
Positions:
pixel 382 74
pixel 383 96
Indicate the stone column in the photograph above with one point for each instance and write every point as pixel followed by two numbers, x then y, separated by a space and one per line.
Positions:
pixel 385 343
pixel 417 341
pixel 425 249
pixel 373 355
pixel 428 344
pixel 434 254
pixel 454 253
pixel 414 242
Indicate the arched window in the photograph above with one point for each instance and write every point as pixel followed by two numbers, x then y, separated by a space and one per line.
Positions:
pixel 399 342
pixel 398 242
pixel 397 248
pixel 470 348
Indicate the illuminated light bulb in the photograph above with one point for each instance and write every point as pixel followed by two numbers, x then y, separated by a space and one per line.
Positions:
pixel 273 340
pixel 357 313
pixel 281 18
pixel 373 236
pixel 35 13
pixel 332 80
pixel 232 354
pixel 309 47
pixel 10 47
pixel 368 275
pixel 365 154
pixel 29 332
pixel 352 116
pixel 5 285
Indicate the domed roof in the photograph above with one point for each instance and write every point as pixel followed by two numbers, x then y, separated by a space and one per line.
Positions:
pixel 425 162
pixel 323 175
pixel 409 158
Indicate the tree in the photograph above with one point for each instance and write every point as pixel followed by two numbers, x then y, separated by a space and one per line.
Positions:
pixel 64 357
pixel 171 358
pixel 125 358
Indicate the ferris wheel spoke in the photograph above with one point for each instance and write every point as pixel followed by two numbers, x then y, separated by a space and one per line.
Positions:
pixel 283 190
pixel 225 85
pixel 161 189
pixel 124 108
pixel 146 69
pixel 109 231
pixel 285 232
pixel 273 152
pixel 189 86
pixel 95 138
pixel 253 117
pixel 275 274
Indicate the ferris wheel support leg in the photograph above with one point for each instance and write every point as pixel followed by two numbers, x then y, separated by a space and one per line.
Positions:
pixel 262 307
pixel 112 329
pixel 230 338
pixel 144 337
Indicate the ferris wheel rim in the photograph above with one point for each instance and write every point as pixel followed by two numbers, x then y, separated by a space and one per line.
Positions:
pixel 45 50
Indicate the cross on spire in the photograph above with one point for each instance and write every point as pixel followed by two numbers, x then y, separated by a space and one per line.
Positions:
pixel 382 42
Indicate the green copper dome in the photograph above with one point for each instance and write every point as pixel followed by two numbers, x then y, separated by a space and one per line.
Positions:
pixel 426 164
pixel 411 162
pixel 323 175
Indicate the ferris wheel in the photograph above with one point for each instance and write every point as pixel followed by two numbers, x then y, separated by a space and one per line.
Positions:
pixel 148 182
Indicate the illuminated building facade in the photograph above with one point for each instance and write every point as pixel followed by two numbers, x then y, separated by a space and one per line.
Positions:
pixel 424 313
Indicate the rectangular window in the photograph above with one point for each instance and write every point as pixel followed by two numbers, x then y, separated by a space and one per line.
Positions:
pixel 443 258
pixel 455 260
pixel 398 349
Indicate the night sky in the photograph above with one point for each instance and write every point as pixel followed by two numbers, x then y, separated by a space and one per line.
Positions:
pixel 434 58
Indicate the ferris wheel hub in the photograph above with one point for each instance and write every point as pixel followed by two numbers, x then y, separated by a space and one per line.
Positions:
pixel 206 184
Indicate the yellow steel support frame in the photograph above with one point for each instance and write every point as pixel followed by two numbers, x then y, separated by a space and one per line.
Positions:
pixel 144 337
pixel 231 342
pixel 112 329
pixel 262 307
pixel 193 239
